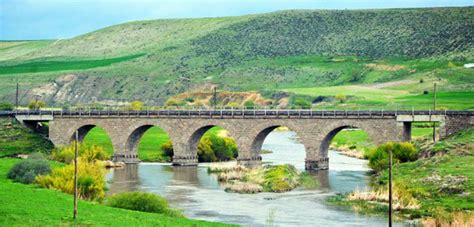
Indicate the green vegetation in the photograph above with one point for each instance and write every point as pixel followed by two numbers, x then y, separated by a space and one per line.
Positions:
pixel 17 139
pixel 86 152
pixel 91 172
pixel 26 171
pixel 142 201
pixel 437 186
pixel 269 178
pixel 29 205
pixel 155 145
pixel 402 152
pixel 43 65
pixel 6 106
pixel 154 60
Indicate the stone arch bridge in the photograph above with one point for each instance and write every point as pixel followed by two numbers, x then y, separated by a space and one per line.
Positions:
pixel 248 127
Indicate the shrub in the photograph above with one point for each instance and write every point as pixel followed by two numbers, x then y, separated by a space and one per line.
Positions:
pixel 280 178
pixel 402 152
pixel 25 171
pixel 36 104
pixel 302 103
pixel 6 106
pixel 205 152
pixel 91 180
pixel 168 149
pixel 136 105
pixel 249 104
pixel 87 152
pixel 142 201
pixel 341 98
pixel 233 105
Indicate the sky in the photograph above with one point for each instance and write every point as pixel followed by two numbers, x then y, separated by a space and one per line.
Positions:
pixel 55 19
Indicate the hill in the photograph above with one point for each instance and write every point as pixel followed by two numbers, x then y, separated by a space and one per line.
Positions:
pixel 154 60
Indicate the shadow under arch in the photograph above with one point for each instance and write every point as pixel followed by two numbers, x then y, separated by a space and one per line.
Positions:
pixel 136 136
pixel 197 136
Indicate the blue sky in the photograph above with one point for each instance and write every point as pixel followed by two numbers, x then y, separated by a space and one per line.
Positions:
pixel 53 19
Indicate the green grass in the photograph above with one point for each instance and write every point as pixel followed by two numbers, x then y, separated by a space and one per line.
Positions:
pixel 28 205
pixel 360 140
pixel 414 175
pixel 37 66
pixel 149 148
pixel 257 52
pixel 16 139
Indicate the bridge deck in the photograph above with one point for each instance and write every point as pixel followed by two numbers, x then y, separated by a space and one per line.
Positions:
pixel 257 113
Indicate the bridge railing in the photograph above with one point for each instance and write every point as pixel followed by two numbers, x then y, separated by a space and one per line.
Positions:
pixel 236 112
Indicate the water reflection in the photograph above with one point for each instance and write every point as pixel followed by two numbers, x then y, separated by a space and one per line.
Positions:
pixel 199 195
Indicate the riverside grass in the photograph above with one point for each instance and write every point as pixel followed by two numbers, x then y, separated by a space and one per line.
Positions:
pixel 428 182
pixel 28 205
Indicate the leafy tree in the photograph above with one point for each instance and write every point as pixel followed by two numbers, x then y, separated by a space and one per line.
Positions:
pixel 205 152
pixel 402 152
pixel 249 104
pixel 302 103
pixel 36 104
pixel 6 106
pixel 136 105
pixel 341 98
pixel 168 149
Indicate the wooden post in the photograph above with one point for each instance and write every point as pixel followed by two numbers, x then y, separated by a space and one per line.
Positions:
pixel 75 173
pixel 390 189
pixel 434 109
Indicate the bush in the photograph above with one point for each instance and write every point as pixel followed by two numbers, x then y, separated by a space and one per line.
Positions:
pixel 280 178
pixel 136 105
pixel 341 98
pixel 302 103
pixel 205 152
pixel 36 105
pixel 87 152
pixel 249 104
pixel 26 171
pixel 91 180
pixel 168 149
pixel 142 201
pixel 6 106
pixel 402 152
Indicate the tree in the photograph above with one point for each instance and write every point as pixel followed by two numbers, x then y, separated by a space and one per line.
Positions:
pixel 168 149
pixel 136 105
pixel 249 104
pixel 341 98
pixel 36 104
pixel 302 103
pixel 6 106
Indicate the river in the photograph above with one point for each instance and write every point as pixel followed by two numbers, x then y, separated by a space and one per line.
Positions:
pixel 199 195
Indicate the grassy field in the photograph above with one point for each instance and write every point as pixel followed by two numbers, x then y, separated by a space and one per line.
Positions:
pixel 149 149
pixel 248 53
pixel 359 139
pixel 58 65
pixel 16 139
pixel 28 205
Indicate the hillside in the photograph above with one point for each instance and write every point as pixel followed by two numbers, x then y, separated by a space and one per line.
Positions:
pixel 154 60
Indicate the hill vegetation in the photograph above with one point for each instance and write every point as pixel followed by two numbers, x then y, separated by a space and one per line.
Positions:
pixel 154 60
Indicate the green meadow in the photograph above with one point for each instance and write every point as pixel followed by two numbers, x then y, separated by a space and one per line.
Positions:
pixel 29 205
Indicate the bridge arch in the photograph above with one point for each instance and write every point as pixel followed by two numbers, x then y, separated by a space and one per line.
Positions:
pixel 196 137
pixel 135 137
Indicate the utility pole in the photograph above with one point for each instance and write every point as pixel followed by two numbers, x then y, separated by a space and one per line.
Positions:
pixel 75 173
pixel 17 93
pixel 390 188
pixel 434 109
pixel 214 98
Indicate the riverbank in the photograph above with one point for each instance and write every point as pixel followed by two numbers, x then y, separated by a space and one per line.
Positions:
pixel 438 188
pixel 30 205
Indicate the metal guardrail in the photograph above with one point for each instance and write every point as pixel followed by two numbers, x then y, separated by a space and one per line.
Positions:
pixel 237 112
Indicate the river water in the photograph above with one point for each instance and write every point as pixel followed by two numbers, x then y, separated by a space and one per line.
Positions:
pixel 199 195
